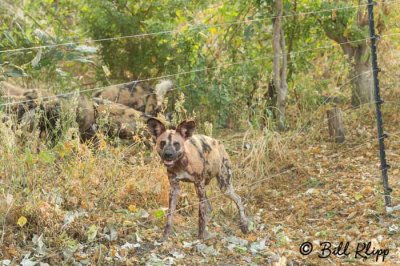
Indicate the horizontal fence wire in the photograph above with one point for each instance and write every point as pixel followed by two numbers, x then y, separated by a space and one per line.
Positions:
pixel 197 70
pixel 190 28
pixel 327 99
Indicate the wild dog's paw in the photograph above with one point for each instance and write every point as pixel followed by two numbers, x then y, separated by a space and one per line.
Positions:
pixel 164 238
pixel 202 235
pixel 166 234
pixel 208 235
pixel 246 226
pixel 208 207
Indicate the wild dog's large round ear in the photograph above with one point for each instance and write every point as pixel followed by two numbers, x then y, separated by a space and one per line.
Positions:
pixel 155 126
pixel 186 128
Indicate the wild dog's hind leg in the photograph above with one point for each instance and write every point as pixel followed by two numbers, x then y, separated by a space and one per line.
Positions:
pixel 201 193
pixel 208 206
pixel 173 198
pixel 225 184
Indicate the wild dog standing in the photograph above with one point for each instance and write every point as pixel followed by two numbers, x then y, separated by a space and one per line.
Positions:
pixel 196 159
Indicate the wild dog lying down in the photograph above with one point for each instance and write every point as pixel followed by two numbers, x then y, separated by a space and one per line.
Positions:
pixel 196 159
pixel 138 95
pixel 124 122
pixel 39 109
pixel 8 89
pixel 31 108
pixel 25 99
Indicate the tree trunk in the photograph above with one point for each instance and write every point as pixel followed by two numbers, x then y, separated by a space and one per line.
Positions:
pixel 359 60
pixel 283 90
pixel 363 89
pixel 279 65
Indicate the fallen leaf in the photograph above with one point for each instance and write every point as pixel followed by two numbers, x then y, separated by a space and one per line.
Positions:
pixel 367 191
pixel 128 245
pixel 22 221
pixel 257 246
pixel 132 208
pixel 92 232
pixel 9 199
pixel 251 238
pixel 311 191
pixel 206 250
pixel 358 196
pixel 178 255
pixel 40 246
pixel 6 262
pixel 352 215
pixel 159 213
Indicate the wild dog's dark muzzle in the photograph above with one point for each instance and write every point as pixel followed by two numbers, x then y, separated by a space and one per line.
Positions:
pixel 170 156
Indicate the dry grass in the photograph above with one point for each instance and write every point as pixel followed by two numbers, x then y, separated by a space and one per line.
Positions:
pixel 114 186
pixel 108 190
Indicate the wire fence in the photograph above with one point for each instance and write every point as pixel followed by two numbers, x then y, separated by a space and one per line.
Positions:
pixel 203 69
pixel 291 137
pixel 197 70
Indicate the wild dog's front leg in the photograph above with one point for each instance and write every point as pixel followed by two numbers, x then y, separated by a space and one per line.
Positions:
pixel 201 193
pixel 173 198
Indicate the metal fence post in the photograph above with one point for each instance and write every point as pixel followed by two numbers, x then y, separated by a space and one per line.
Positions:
pixel 378 102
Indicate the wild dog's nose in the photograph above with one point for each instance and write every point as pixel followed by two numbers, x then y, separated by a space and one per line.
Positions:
pixel 168 154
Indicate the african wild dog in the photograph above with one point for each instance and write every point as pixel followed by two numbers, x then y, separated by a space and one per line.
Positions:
pixel 117 119
pixel 138 95
pixel 86 118
pixel 8 89
pixel 31 108
pixel 123 121
pixel 25 99
pixel 196 159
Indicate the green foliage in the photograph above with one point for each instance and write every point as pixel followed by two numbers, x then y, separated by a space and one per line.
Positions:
pixel 21 31
pixel 46 157
pixel 228 63
pixel 130 57
pixel 343 22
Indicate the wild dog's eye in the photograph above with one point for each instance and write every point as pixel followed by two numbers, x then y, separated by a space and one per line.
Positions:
pixel 177 145
pixel 162 144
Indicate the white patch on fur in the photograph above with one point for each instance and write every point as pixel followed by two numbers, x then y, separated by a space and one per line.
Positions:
pixel 161 89
pixel 182 175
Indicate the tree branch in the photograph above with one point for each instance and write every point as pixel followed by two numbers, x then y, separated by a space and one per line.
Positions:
pixel 346 47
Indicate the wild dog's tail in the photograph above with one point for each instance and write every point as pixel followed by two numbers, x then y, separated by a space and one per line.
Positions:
pixel 162 88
